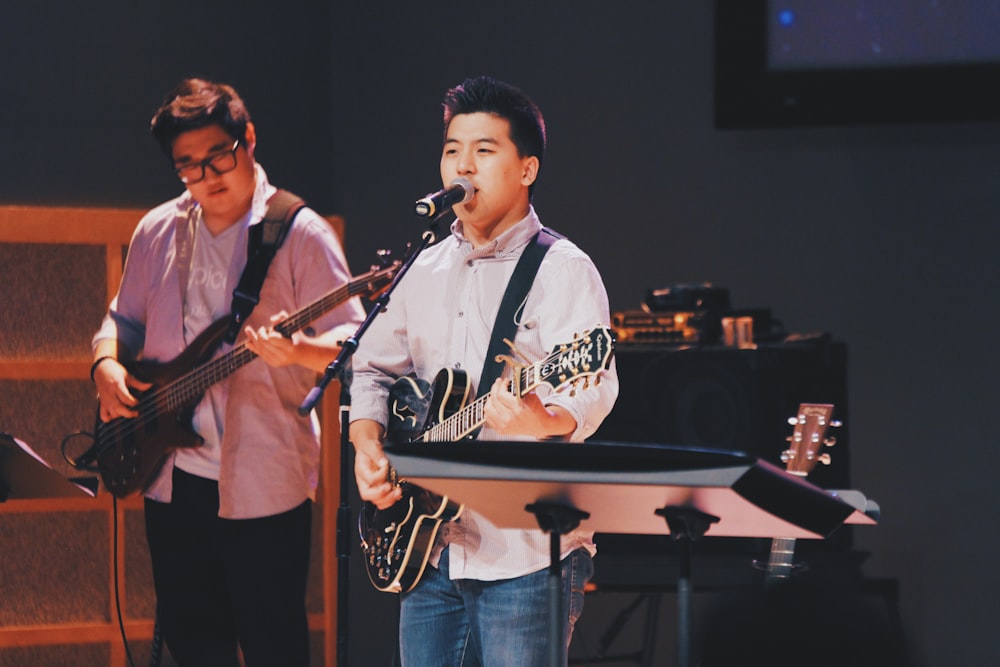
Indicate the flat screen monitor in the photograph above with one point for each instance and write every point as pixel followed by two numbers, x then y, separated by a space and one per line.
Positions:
pixel 781 63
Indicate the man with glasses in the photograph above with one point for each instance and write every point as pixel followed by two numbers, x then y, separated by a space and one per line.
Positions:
pixel 228 523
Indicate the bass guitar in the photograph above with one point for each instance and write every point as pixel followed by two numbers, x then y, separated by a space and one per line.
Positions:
pixel 129 452
pixel 397 541
pixel 807 439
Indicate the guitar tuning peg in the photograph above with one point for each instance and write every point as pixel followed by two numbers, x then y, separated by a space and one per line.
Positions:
pixel 792 421
pixel 830 442
pixel 836 423
pixel 824 459
pixel 786 456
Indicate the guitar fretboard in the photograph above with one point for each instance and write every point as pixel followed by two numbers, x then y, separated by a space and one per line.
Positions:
pixel 558 368
pixel 464 422
pixel 782 560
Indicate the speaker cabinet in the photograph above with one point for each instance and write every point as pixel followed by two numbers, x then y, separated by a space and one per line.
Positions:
pixel 731 398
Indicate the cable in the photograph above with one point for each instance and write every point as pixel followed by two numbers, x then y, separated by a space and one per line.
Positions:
pixel 118 602
pixel 156 652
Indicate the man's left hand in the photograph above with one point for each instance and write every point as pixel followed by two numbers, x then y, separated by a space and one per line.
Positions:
pixel 509 414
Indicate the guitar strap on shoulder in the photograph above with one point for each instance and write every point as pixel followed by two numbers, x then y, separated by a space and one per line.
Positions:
pixel 262 243
pixel 505 325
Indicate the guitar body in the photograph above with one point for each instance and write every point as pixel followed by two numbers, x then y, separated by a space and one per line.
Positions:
pixel 397 541
pixel 416 407
pixel 131 451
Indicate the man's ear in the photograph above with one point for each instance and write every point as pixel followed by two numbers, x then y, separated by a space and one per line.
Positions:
pixel 250 139
pixel 530 170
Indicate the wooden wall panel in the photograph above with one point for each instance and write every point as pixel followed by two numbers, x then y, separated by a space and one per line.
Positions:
pixel 61 266
pixel 54 568
pixel 56 656
pixel 43 412
pixel 53 293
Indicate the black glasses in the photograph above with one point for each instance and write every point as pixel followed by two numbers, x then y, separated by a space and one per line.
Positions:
pixel 220 164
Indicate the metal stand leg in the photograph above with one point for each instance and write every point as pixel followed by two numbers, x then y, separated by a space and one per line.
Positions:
pixel 557 520
pixel 686 525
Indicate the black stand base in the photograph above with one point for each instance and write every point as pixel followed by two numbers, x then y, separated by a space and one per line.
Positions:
pixel 556 520
pixel 686 525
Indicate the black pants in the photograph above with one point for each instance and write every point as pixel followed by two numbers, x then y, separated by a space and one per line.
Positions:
pixel 222 583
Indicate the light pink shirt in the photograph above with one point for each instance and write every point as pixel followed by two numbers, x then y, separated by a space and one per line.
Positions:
pixel 441 316
pixel 270 455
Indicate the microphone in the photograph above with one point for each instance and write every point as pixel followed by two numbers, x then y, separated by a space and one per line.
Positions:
pixel 437 203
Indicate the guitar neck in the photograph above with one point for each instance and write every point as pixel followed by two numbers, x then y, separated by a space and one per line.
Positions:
pixel 460 425
pixel 192 385
pixel 811 422
pixel 782 560
pixel 298 320
pixel 467 420
pixel 566 364
pixel 197 382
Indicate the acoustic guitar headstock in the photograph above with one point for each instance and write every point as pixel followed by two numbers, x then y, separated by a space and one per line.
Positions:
pixel 809 437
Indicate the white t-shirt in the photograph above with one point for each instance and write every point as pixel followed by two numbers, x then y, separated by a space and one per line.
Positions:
pixel 205 302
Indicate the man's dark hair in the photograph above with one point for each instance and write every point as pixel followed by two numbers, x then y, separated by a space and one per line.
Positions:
pixel 487 95
pixel 197 103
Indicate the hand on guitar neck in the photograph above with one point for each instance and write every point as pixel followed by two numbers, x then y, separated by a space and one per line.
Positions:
pixel 509 414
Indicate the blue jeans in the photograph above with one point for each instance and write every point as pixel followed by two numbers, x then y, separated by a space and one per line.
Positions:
pixel 469 623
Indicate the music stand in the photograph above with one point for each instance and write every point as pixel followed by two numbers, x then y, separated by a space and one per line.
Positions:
pixel 632 488
pixel 24 474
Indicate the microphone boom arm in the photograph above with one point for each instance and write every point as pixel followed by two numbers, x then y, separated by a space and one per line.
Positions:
pixel 350 345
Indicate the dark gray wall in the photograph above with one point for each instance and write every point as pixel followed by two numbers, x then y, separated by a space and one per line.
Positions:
pixel 880 235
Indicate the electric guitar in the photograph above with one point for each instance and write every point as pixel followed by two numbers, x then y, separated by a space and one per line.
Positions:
pixel 129 452
pixel 808 437
pixel 397 541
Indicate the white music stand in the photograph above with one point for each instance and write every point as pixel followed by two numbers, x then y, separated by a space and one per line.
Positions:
pixel 629 488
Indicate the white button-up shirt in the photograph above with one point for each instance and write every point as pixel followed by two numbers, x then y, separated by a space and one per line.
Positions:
pixel 441 316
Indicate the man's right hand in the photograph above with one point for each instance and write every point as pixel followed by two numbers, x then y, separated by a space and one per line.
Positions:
pixel 371 467
pixel 114 385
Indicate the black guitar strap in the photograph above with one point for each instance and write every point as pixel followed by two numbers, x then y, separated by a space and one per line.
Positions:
pixel 263 242
pixel 505 325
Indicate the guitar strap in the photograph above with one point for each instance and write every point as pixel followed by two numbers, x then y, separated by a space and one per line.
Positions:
pixel 505 325
pixel 262 243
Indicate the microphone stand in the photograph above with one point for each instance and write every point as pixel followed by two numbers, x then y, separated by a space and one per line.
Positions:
pixel 334 370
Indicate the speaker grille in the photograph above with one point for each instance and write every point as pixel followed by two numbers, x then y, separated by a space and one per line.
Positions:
pixel 730 398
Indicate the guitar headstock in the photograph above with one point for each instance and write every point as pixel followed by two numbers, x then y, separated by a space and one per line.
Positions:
pixel 808 438
pixel 585 357
pixel 378 279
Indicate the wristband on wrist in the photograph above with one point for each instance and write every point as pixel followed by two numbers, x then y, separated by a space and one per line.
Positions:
pixel 93 367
